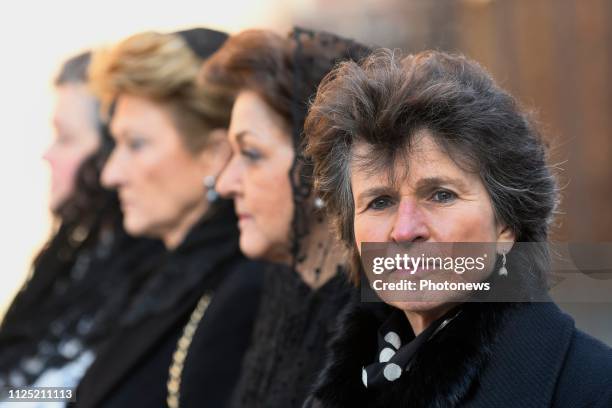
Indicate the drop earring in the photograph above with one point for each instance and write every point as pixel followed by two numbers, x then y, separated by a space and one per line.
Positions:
pixel 211 193
pixel 503 271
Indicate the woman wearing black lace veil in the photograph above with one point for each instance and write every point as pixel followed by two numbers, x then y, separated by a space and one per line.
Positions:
pixel 269 80
pixel 81 279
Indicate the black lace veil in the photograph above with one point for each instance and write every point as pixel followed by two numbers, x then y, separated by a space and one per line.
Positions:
pixel 315 53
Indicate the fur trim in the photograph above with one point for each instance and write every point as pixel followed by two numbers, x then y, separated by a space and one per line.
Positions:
pixel 442 374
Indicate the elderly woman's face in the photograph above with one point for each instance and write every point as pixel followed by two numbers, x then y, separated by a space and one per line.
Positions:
pixel 257 178
pixel 159 181
pixel 436 201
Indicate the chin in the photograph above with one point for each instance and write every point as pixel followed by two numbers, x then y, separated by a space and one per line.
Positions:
pixel 56 201
pixel 416 306
pixel 133 227
pixel 250 247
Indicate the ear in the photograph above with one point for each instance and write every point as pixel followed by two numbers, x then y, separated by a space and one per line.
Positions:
pixel 217 152
pixel 505 239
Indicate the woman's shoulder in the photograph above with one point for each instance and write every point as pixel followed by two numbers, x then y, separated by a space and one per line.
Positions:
pixel 222 337
pixel 559 363
pixel 587 369
pixel 589 353
pixel 243 282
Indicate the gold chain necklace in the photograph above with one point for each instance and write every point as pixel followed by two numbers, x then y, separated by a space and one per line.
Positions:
pixel 173 385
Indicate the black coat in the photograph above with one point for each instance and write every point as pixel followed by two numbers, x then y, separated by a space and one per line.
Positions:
pixel 131 370
pixel 491 355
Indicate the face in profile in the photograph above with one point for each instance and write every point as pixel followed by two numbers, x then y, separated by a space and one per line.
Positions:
pixel 158 179
pixel 433 200
pixel 257 178
pixel 76 136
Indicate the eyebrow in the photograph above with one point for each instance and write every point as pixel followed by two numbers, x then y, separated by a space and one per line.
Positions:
pixel 241 135
pixel 424 185
pixel 427 183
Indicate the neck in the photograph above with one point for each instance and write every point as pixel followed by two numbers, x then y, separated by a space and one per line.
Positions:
pixel 323 255
pixel 420 320
pixel 175 235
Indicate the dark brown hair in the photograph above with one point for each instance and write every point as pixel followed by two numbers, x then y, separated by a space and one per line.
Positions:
pixel 257 60
pixel 74 70
pixel 385 101
pixel 285 73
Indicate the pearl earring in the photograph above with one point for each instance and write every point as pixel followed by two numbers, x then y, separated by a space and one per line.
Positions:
pixel 211 193
pixel 503 271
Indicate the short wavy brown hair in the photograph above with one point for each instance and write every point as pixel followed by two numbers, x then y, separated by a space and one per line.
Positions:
pixel 161 67
pixel 387 99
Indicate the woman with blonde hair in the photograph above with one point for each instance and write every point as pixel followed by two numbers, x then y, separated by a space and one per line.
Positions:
pixel 200 293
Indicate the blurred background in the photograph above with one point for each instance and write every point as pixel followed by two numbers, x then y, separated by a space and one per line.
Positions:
pixel 554 55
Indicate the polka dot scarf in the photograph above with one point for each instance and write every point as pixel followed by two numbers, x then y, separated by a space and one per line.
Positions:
pixel 397 345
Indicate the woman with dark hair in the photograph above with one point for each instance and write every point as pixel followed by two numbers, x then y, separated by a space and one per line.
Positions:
pixel 200 295
pixel 269 79
pixel 82 278
pixel 423 151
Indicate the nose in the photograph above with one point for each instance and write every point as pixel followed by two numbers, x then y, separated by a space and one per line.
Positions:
pixel 112 173
pixel 229 181
pixel 49 154
pixel 410 223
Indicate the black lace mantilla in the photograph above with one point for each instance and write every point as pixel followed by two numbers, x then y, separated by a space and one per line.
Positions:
pixel 293 326
pixel 315 53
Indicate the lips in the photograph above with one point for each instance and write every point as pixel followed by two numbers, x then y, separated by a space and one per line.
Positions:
pixel 243 218
pixel 125 203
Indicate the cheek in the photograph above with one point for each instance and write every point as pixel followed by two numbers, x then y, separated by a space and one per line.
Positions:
pixel 369 228
pixel 469 223
pixel 146 189
pixel 170 185
pixel 64 169
pixel 272 205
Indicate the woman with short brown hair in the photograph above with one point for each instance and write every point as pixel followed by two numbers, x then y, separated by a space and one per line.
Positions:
pixel 424 151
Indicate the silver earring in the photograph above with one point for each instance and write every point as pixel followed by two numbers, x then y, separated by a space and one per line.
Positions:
pixel 503 271
pixel 211 193
pixel 319 203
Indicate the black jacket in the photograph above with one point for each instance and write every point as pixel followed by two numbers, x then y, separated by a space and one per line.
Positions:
pixel 131 370
pixel 491 355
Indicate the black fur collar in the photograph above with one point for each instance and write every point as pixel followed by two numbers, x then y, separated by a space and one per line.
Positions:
pixel 442 373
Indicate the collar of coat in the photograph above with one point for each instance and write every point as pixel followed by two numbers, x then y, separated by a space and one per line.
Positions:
pixel 491 352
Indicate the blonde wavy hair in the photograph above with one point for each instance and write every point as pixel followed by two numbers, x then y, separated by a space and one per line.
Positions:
pixel 163 68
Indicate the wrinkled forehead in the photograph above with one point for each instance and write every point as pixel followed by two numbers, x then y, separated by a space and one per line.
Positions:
pixel 420 155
